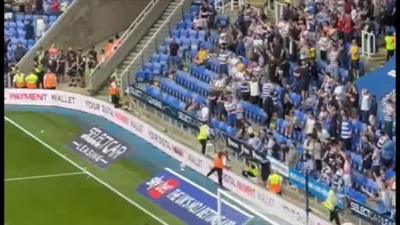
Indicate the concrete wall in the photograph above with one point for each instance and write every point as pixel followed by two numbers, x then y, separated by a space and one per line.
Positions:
pixel 100 77
pixel 86 23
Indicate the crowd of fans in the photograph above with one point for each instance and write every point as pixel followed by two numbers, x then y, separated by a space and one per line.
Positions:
pixel 69 66
pixel 312 52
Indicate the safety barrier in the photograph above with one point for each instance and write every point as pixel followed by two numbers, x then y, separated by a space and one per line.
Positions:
pixel 368 43
pixel 268 202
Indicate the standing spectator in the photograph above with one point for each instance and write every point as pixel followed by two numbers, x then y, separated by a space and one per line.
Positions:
pixel 365 106
pixel 39 72
pixel 55 7
pixel 72 68
pixel 92 59
pixel 174 61
pixel 373 107
pixel 30 30
pixel 254 91
pixel 61 65
pixel 323 46
pixel 40 27
pixel 102 56
pixel 346 131
pixel 39 7
pixel 53 51
pixel 20 51
pixel 347 28
pixel 354 53
pixel 389 113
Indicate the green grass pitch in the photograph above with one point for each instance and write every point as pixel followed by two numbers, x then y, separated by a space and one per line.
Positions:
pixel 44 188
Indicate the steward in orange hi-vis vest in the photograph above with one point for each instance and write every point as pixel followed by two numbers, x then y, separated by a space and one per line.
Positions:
pixel 219 164
pixel 113 92
pixel 49 80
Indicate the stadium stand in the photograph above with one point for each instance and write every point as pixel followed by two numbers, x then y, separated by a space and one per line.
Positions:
pixel 25 23
pixel 313 96
pixel 290 85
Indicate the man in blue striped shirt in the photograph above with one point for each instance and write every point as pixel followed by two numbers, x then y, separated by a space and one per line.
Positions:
pixel 346 131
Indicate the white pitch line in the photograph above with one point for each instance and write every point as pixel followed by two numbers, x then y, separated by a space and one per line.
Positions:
pixel 206 191
pixel 44 176
pixel 87 172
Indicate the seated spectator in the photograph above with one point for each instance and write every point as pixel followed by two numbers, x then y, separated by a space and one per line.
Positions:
pixel 201 56
pixel 251 170
pixel 191 106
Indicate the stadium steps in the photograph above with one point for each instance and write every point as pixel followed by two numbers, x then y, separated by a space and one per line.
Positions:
pixel 136 50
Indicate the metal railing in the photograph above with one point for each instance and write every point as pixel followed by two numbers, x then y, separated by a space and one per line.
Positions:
pixel 153 43
pixel 124 36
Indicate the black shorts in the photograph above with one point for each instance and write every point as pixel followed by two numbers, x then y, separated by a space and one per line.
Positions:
pixel 354 64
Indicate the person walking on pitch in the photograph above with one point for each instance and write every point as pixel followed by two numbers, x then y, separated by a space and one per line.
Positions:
pixel 219 164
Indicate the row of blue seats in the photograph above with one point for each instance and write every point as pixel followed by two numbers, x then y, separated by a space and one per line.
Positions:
pixel 254 113
pixel 222 127
pixel 166 98
pixel 28 17
pixel 192 84
pixel 171 88
pixel 189 33
pixel 22 40
pixel 202 73
pixel 157 68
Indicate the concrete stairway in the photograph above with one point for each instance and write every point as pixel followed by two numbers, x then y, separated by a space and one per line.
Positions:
pixel 148 51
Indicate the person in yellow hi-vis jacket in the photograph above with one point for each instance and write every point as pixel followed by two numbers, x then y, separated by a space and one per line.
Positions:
pixel 330 204
pixel 202 137
pixel 390 43
pixel 274 183
pixel 31 81
pixel 19 80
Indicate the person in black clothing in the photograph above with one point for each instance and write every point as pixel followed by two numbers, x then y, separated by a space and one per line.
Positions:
pixel 265 169
pixel 373 108
pixel 30 30
pixel 81 66
pixel 72 63
pixel 60 69
pixel 39 71
pixel 39 7
pixel 174 60
pixel 92 59
pixel 19 52
pixel 268 106
pixel 52 65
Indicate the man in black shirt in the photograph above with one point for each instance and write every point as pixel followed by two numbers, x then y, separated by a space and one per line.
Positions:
pixel 174 60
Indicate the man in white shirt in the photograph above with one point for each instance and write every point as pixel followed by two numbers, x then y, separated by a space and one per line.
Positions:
pixel 254 91
pixel 365 105
pixel 40 27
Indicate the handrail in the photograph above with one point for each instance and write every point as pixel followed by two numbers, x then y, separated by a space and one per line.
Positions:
pixel 152 37
pixel 47 32
pixel 138 19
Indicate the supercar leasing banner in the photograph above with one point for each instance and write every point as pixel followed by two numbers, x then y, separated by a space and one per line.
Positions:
pixel 188 203
pixel 269 202
pixel 99 147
